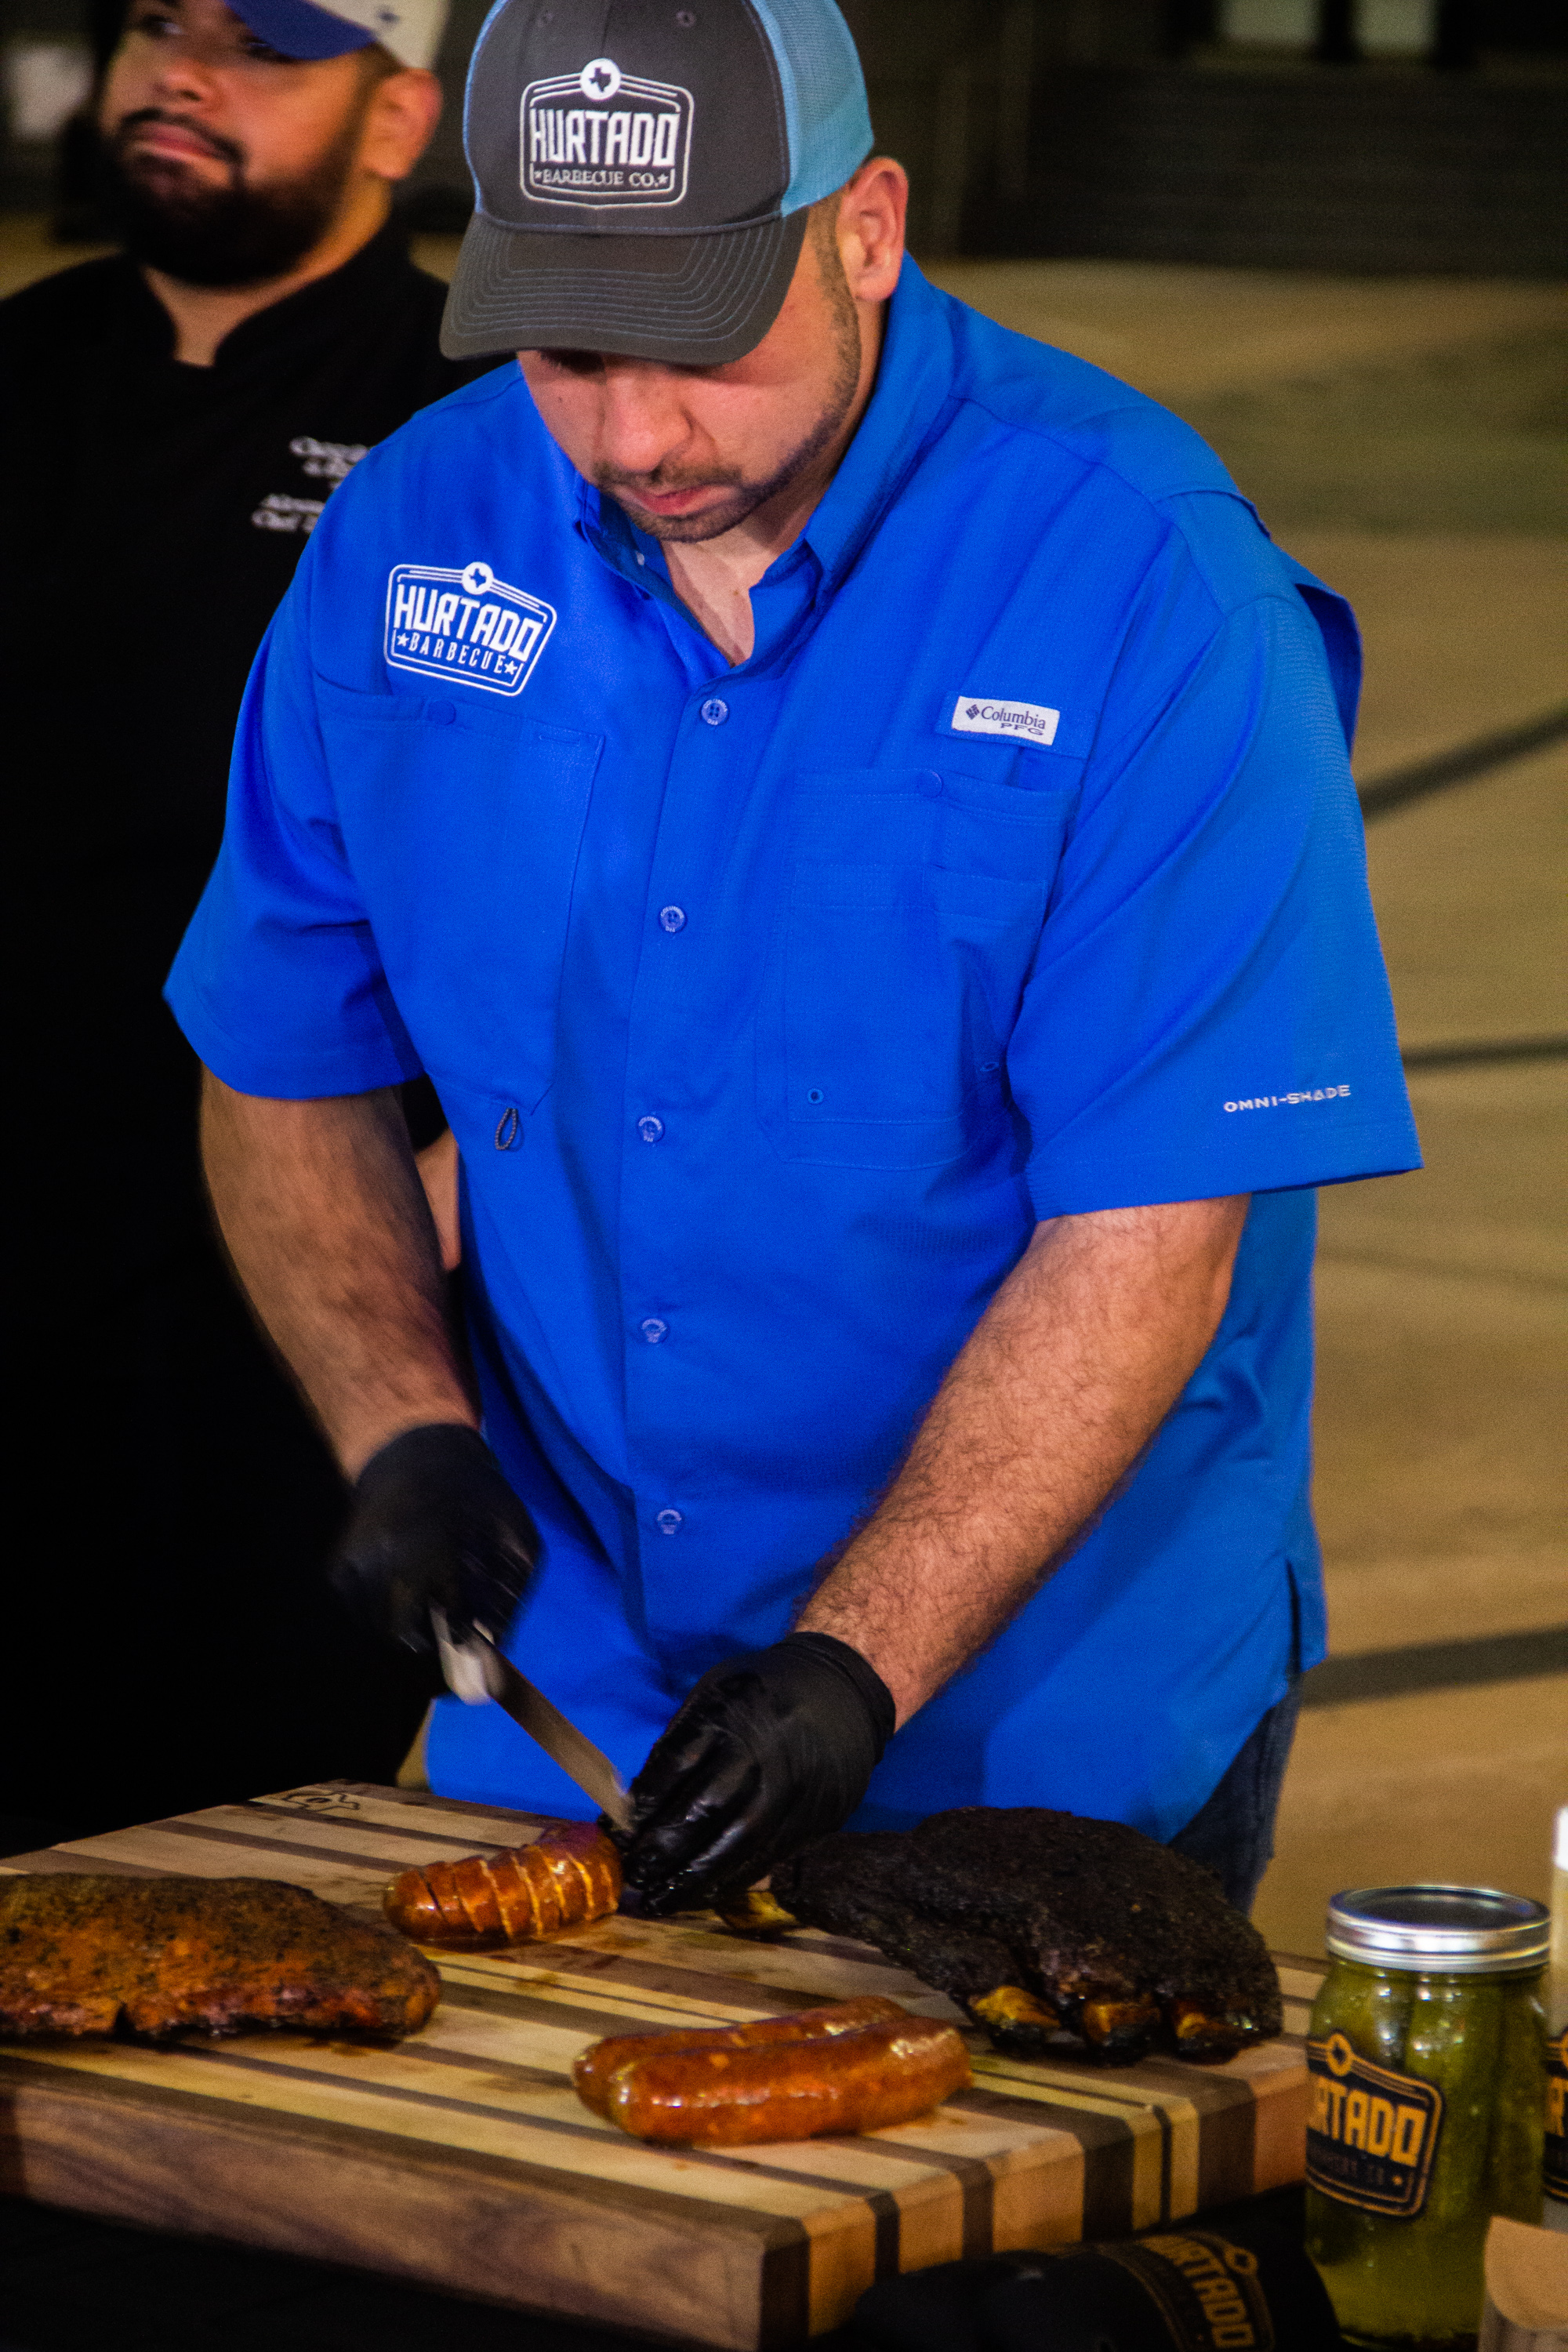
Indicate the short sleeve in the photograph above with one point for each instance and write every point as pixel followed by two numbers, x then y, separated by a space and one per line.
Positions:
pixel 1209 1012
pixel 278 984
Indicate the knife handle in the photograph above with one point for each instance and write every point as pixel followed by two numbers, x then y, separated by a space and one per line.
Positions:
pixel 466 1664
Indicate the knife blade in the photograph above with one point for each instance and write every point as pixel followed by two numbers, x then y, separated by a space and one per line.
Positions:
pixel 477 1671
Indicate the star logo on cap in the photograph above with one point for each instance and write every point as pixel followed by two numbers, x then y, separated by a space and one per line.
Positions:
pixel 477 578
pixel 600 79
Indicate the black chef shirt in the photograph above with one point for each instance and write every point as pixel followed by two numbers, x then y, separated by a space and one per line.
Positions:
pixel 152 514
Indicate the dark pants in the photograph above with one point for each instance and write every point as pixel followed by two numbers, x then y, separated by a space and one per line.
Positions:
pixel 1233 1834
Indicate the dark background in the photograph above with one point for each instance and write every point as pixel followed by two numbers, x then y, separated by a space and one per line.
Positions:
pixel 1123 128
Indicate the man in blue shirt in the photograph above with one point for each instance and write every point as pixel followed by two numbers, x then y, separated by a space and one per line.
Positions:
pixel 853 813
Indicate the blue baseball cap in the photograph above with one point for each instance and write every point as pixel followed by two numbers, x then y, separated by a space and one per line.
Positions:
pixel 643 172
pixel 410 29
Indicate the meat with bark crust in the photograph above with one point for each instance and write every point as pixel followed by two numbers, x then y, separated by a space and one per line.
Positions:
pixel 154 1956
pixel 869 1900
pixel 1052 1930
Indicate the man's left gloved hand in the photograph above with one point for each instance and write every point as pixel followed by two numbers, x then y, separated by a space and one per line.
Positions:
pixel 771 1749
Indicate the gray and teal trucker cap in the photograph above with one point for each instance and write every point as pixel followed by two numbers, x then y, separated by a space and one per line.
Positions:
pixel 642 172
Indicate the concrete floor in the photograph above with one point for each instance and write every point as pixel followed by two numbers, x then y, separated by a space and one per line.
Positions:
pixel 1405 439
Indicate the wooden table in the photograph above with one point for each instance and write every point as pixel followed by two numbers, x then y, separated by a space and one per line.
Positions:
pixel 463 2160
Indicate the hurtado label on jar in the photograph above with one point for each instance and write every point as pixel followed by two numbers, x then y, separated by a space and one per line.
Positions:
pixel 1371 2134
pixel 1556 2169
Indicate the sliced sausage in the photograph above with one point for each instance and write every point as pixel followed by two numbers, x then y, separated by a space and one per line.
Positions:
pixel 566 1877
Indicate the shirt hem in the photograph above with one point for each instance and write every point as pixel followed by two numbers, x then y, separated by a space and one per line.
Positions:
pixel 1372 1148
pixel 298 1077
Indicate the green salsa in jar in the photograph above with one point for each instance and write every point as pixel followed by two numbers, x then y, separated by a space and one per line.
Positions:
pixel 1426 2058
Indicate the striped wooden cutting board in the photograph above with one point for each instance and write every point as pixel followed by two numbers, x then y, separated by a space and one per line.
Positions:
pixel 462 2158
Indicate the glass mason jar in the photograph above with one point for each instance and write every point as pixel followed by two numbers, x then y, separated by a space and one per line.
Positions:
pixel 1425 2072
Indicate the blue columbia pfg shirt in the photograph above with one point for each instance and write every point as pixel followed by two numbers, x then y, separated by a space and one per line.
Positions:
pixel 1018 872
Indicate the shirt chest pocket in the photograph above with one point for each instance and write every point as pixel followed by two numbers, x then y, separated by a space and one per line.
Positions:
pixel 914 910
pixel 463 827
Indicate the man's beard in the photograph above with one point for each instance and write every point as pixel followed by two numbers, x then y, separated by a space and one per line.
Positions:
pixel 747 496
pixel 234 235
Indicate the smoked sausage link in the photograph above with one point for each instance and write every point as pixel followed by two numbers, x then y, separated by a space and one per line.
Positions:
pixel 595 2071
pixel 728 2093
pixel 567 1876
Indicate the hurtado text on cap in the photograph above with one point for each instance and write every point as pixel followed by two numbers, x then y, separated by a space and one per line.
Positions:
pixel 631 152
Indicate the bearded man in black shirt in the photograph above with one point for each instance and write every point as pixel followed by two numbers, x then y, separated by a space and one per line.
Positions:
pixel 174 419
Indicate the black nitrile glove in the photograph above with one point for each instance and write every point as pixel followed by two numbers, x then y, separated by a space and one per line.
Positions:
pixel 433 1526
pixel 771 1749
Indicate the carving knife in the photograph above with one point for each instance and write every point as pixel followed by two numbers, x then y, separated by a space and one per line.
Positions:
pixel 477 1671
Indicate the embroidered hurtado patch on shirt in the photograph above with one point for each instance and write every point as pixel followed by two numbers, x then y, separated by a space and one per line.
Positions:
pixel 464 624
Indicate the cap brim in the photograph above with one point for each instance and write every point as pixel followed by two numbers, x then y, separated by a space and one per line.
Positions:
pixel 693 301
pixel 297 29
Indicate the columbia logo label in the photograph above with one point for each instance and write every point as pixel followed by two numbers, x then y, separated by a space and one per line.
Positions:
pixel 464 624
pixel 1025 722
pixel 604 139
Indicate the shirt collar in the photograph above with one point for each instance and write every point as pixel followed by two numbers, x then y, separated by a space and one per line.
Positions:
pixel 913 392
pixel 315 312
pixel 913 388
pixel 322 309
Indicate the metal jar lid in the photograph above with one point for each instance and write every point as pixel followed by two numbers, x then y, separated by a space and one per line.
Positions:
pixel 1460 1931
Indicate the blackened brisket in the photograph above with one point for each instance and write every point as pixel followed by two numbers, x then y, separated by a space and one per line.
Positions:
pixel 1050 1928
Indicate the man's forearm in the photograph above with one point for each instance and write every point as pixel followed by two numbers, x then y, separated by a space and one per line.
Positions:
pixel 1063 1382
pixel 321 1208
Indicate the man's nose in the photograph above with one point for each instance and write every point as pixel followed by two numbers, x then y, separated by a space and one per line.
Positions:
pixel 643 421
pixel 183 73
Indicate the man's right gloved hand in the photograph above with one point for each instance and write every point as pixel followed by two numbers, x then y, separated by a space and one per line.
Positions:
pixel 435 1526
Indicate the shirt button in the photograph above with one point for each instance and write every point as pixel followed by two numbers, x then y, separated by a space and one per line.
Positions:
pixel 672 918
pixel 666 1522
pixel 715 711
pixel 650 1128
pixel 653 1329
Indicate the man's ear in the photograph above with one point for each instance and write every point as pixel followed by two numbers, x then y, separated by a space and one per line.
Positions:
pixel 871 215
pixel 399 122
